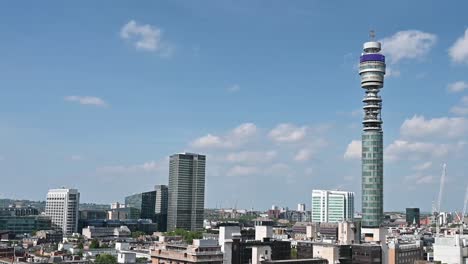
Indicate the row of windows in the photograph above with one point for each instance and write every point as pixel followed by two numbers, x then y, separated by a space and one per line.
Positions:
pixel 372 65
pixel 371 155
pixel 372 198
pixel 371 211
pixel 372 73
pixel 375 192
pixel 374 149
pixel 371 204
pixel 372 143
pixel 372 167
pixel 378 136
pixel 371 161
pixel 373 180
pixel 372 173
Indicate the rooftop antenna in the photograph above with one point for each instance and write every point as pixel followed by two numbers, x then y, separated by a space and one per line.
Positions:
pixel 372 35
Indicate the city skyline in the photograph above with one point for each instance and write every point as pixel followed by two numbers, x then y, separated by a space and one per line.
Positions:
pixel 95 102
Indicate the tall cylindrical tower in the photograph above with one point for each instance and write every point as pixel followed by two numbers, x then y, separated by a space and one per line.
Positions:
pixel 372 71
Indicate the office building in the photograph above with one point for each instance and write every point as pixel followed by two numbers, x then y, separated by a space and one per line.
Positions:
pixel 332 252
pixel 162 195
pixel 451 249
pixel 50 236
pixel 301 207
pixel 401 253
pixel 92 232
pixel 62 207
pixel 89 214
pixel 412 216
pixel 367 254
pixel 20 211
pixel 372 71
pixel 20 225
pixel 123 213
pixel 201 251
pixel 186 191
pixel 332 206
pixel 142 225
pixel 144 202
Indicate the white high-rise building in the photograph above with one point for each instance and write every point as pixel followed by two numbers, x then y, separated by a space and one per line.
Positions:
pixel 62 207
pixel 332 206
pixel 301 207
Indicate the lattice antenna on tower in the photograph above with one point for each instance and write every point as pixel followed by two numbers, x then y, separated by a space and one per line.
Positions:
pixel 372 35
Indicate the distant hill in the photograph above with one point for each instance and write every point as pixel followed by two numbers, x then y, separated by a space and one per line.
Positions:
pixel 40 205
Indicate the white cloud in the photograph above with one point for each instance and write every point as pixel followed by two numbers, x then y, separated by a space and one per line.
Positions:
pixel 461 109
pixel 459 50
pixel 233 88
pixel 402 149
pixel 149 166
pixel 287 133
pixel 242 170
pixel 456 87
pixel 86 100
pixel 251 157
pixel 354 149
pixel 146 37
pixel 244 131
pixel 408 44
pixel 235 138
pixel 303 155
pixel 423 166
pixel 420 179
pixel 208 141
pixel 76 157
pixel 391 72
pixel 419 127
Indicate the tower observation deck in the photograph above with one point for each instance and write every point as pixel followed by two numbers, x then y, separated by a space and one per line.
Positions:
pixel 372 71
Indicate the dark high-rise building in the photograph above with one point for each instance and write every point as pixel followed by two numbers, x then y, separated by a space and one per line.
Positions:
pixel 21 225
pixel 372 71
pixel 144 202
pixel 412 216
pixel 186 191
pixel 162 195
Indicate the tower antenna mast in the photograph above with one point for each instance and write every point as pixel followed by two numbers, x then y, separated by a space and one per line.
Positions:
pixel 372 35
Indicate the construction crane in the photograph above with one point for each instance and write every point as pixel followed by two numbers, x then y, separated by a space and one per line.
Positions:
pixel 437 214
pixel 464 206
pixel 442 183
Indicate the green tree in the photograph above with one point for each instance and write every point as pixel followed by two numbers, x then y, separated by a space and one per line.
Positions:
pixel 105 259
pixel 141 260
pixel 294 253
pixel 94 244
pixel 137 234
pixel 188 236
pixel 80 245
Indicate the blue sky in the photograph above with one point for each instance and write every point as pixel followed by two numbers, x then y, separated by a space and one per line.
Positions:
pixel 96 95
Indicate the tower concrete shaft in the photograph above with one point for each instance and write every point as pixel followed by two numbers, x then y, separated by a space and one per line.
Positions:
pixel 372 71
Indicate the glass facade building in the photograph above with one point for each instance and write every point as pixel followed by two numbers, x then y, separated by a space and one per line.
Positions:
pixel 412 216
pixel 24 224
pixel 145 203
pixel 372 71
pixel 332 206
pixel 162 196
pixel 186 191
